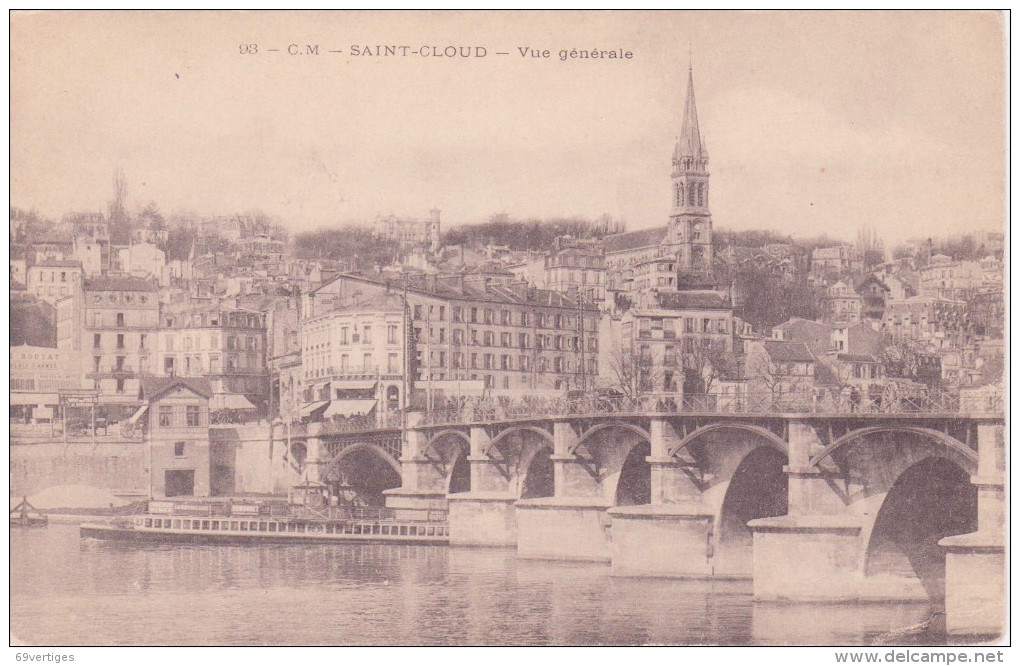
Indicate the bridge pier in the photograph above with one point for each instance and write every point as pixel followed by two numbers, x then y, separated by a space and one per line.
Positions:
pixel 422 487
pixel 572 524
pixel 485 515
pixel 814 552
pixel 672 536
pixel 975 562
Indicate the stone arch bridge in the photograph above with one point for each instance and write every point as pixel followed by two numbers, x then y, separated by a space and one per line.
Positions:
pixel 816 506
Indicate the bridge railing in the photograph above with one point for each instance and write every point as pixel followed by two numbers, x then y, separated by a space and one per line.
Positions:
pixel 930 401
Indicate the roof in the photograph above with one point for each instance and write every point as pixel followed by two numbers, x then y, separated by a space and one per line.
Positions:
pixel 153 387
pixel 58 263
pixel 701 299
pixel 690 144
pixel 473 290
pixel 787 352
pixel 871 278
pixel 856 358
pixel 632 240
pixel 120 283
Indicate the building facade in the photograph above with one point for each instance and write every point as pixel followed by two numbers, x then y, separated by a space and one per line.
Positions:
pixel 513 338
pixel 223 345
pixel 120 317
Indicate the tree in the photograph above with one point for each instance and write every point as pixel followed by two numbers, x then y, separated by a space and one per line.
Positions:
pixel 634 374
pixel 704 366
pixel 120 224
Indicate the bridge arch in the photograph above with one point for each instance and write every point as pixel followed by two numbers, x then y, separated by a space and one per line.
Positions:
pixel 365 468
pixel 769 437
pixel 960 452
pixel 757 488
pixel 504 435
pixel 929 500
pixel 602 427
pixel 439 435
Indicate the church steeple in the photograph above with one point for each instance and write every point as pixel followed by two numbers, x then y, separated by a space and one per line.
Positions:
pixel 691 219
pixel 689 144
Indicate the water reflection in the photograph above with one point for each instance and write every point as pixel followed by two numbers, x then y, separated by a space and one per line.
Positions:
pixel 67 591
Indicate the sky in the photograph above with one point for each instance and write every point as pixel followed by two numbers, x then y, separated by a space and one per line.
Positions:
pixel 814 122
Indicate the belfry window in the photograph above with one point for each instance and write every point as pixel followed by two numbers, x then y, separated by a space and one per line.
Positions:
pixel 701 194
pixel 679 195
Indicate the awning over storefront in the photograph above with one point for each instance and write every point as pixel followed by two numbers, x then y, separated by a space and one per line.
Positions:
pixel 313 407
pixel 349 408
pixel 367 385
pixel 230 401
pixel 138 414
pixel 33 398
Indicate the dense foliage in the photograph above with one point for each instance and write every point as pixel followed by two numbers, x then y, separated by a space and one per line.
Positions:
pixel 531 234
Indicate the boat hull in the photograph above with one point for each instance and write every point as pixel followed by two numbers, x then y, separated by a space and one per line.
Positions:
pixel 147 535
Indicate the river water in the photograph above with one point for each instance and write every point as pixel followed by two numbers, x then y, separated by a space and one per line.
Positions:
pixel 69 591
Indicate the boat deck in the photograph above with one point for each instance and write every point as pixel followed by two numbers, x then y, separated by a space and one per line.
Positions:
pixel 161 529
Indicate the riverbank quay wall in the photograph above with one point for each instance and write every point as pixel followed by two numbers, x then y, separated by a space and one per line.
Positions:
pixel 243 458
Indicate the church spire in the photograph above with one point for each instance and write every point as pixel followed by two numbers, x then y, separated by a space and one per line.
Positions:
pixel 690 144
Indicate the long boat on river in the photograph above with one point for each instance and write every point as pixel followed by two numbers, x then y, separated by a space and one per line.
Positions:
pixel 251 524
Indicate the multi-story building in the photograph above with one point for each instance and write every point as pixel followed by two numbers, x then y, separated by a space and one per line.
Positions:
pixel 91 235
pixel 37 376
pixel 53 279
pixel 513 338
pixel 670 337
pixel 836 261
pixel 951 280
pixel 176 423
pixel 118 321
pixel 353 356
pixel 224 345
pixel 873 294
pixel 936 322
pixel 841 303
pixel 576 267
pixel 410 232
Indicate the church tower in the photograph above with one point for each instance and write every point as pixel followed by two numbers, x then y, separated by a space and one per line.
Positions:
pixel 690 228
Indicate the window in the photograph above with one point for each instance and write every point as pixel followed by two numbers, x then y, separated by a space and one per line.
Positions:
pixel 391 335
pixel 367 337
pixel 179 449
pixel 120 363
pixel 95 362
pixel 166 413
pixel 97 341
pixel 457 314
pixel 194 416
pixel 522 340
pixel 367 362
pixel 458 336
pixel 488 316
pixel 417 312
pixel 525 319
pixel 474 361
pixel 141 341
pixel 474 315
pixel 120 319
pixel 392 363
pixel 120 341
pixel 504 339
pixel 505 317
pixel 442 312
pixel 488 361
pixel 489 337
